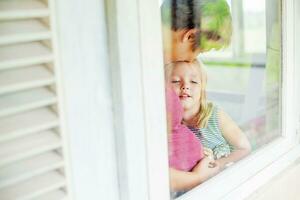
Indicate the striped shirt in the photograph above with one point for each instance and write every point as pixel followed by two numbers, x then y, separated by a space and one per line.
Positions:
pixel 211 136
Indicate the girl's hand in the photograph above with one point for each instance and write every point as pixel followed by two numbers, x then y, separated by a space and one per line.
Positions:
pixel 220 163
pixel 205 170
pixel 208 153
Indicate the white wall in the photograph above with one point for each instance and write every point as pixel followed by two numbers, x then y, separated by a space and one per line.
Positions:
pixel 86 76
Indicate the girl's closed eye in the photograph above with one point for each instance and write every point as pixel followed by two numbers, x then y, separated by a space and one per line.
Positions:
pixel 175 81
pixel 194 82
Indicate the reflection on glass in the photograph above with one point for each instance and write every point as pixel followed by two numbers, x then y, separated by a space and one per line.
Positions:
pixel 247 82
pixel 222 58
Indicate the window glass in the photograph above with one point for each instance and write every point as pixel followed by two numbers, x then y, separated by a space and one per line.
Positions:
pixel 223 79
pixel 252 78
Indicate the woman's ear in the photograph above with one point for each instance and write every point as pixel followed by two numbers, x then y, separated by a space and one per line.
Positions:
pixel 189 35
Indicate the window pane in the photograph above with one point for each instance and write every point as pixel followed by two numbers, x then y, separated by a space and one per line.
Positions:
pixel 254 26
pixel 223 66
pixel 251 80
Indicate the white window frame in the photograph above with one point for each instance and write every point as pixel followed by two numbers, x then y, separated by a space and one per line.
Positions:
pixel 135 33
pixel 136 58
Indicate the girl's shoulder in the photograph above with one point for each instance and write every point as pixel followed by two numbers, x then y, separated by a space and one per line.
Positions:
pixel 217 117
pixel 213 120
pixel 215 109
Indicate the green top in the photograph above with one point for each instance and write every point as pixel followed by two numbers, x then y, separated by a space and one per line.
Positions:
pixel 211 137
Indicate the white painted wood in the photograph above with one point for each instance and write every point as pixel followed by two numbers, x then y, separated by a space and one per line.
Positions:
pixel 140 120
pixel 86 82
pixel 129 116
pixel 16 9
pixel 240 171
pixel 289 116
pixel 27 100
pixel 28 160
pixel 23 31
pixel 61 106
pixel 153 79
pixel 54 195
pixel 24 78
pixel 13 127
pixel 297 64
pixel 28 146
pixel 283 186
pixel 26 169
pixel 25 54
pixel 34 187
pixel 262 177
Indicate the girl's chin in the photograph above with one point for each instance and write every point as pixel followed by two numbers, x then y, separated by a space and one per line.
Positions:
pixel 188 107
pixel 185 106
pixel 185 102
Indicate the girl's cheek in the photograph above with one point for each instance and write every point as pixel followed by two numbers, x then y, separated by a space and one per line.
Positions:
pixel 170 85
pixel 177 90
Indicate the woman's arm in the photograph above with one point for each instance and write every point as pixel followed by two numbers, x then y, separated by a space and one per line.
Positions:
pixel 181 180
pixel 234 136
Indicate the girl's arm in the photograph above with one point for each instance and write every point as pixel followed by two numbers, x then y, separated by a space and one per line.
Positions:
pixel 234 136
pixel 181 180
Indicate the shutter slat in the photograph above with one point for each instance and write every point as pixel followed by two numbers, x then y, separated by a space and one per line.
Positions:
pixel 25 78
pixel 27 100
pixel 34 187
pixel 25 54
pixel 54 195
pixel 23 31
pixel 13 127
pixel 26 169
pixel 14 9
pixel 28 146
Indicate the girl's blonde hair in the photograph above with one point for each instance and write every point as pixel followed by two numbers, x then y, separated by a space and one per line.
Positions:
pixel 201 118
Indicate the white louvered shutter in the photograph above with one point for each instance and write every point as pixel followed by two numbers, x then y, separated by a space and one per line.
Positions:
pixel 32 165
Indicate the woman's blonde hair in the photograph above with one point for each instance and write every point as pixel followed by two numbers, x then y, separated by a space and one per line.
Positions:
pixel 201 118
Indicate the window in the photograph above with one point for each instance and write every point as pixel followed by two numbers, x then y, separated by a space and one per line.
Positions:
pixel 141 78
pixel 250 90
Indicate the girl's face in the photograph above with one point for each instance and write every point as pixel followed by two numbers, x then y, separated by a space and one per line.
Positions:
pixel 185 80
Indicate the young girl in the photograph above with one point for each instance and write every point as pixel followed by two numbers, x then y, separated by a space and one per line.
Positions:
pixel 214 128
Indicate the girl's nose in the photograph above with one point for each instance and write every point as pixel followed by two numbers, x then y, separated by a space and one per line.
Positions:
pixel 185 87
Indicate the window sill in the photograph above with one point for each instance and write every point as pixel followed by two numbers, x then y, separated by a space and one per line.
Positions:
pixel 245 177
